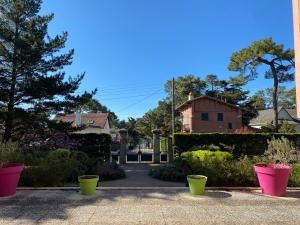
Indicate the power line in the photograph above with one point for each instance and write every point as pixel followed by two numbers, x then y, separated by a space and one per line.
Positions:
pixel 137 102
pixel 122 88
pixel 125 97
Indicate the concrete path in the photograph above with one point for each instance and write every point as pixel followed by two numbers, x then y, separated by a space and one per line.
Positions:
pixel 122 207
pixel 137 176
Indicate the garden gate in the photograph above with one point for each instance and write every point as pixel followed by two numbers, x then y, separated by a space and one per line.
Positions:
pixel 157 150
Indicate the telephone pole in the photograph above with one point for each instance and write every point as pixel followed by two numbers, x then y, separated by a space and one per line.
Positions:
pixel 173 106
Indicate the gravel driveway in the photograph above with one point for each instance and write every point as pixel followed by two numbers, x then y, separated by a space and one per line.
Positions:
pixel 148 207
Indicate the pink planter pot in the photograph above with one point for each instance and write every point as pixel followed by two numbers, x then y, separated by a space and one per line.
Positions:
pixel 273 179
pixel 9 178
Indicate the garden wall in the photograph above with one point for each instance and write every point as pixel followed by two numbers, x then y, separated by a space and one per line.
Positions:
pixel 247 144
pixel 94 145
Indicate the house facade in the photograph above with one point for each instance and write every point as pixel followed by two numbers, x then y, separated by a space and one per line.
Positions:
pixel 207 114
pixel 266 117
pixel 91 122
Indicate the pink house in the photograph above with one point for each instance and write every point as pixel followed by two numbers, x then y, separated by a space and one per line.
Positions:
pixel 207 114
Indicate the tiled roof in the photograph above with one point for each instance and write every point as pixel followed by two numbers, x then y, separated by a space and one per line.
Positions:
pixel 88 119
pixel 207 97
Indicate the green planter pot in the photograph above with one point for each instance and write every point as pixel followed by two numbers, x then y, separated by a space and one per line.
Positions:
pixel 88 184
pixel 197 184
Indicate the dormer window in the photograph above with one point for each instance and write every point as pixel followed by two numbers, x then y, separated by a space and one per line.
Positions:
pixel 90 122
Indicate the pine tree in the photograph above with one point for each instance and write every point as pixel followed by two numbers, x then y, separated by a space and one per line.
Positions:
pixel 279 64
pixel 32 80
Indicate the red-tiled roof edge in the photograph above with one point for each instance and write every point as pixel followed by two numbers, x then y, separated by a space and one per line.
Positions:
pixel 211 98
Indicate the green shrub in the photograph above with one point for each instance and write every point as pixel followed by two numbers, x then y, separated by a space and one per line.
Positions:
pixel 10 152
pixel 168 173
pixel 55 169
pixel 294 179
pixel 94 145
pixel 221 169
pixel 238 144
pixel 206 154
pixel 281 151
pixel 105 170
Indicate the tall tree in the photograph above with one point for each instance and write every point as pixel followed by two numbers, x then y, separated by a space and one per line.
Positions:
pixel 183 86
pixel 279 65
pixel 32 83
pixel 259 100
pixel 263 98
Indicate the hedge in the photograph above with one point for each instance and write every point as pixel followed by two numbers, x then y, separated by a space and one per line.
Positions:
pixel 94 145
pixel 238 144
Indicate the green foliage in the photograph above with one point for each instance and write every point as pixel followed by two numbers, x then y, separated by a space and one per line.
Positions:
pixel 183 86
pixel 106 170
pixel 168 173
pixel 62 166
pixel 294 179
pixel 134 134
pixel 56 169
pixel 163 144
pixel 263 99
pixel 247 144
pixel 279 64
pixel 205 154
pixel 32 69
pixel 10 153
pixel 94 145
pixel 220 169
pixel 287 128
pixel 281 151
pixel 158 118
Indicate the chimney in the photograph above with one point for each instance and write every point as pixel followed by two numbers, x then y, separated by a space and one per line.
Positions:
pixel 191 96
pixel 77 118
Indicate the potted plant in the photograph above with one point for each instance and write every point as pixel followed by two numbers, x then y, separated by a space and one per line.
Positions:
pixel 273 177
pixel 197 184
pixel 88 184
pixel 9 172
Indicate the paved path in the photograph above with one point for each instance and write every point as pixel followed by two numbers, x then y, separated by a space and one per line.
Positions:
pixel 132 207
pixel 137 176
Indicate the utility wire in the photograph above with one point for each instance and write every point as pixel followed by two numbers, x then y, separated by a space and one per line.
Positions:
pixel 151 95
pixel 125 97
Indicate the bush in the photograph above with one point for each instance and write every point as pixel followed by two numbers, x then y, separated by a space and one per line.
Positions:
pixel 220 168
pixel 10 153
pixel 55 169
pixel 106 170
pixel 168 173
pixel 238 144
pixel 294 179
pixel 94 145
pixel 281 151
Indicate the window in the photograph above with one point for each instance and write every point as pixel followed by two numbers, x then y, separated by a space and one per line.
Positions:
pixel 220 116
pixel 204 116
pixel 229 126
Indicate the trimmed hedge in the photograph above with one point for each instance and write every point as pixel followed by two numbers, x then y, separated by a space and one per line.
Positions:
pixel 238 144
pixel 94 145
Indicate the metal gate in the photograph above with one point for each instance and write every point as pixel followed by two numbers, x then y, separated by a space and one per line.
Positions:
pixel 142 153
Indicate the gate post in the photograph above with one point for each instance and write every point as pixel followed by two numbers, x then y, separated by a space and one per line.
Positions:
pixel 123 146
pixel 156 145
pixel 170 149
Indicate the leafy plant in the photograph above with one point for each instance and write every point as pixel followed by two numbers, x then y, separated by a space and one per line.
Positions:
pixel 10 152
pixel 287 128
pixel 281 151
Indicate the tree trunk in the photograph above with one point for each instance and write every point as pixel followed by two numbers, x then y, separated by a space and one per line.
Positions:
pixel 275 100
pixel 10 106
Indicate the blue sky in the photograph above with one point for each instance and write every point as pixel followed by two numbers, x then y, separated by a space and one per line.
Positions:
pixel 129 48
